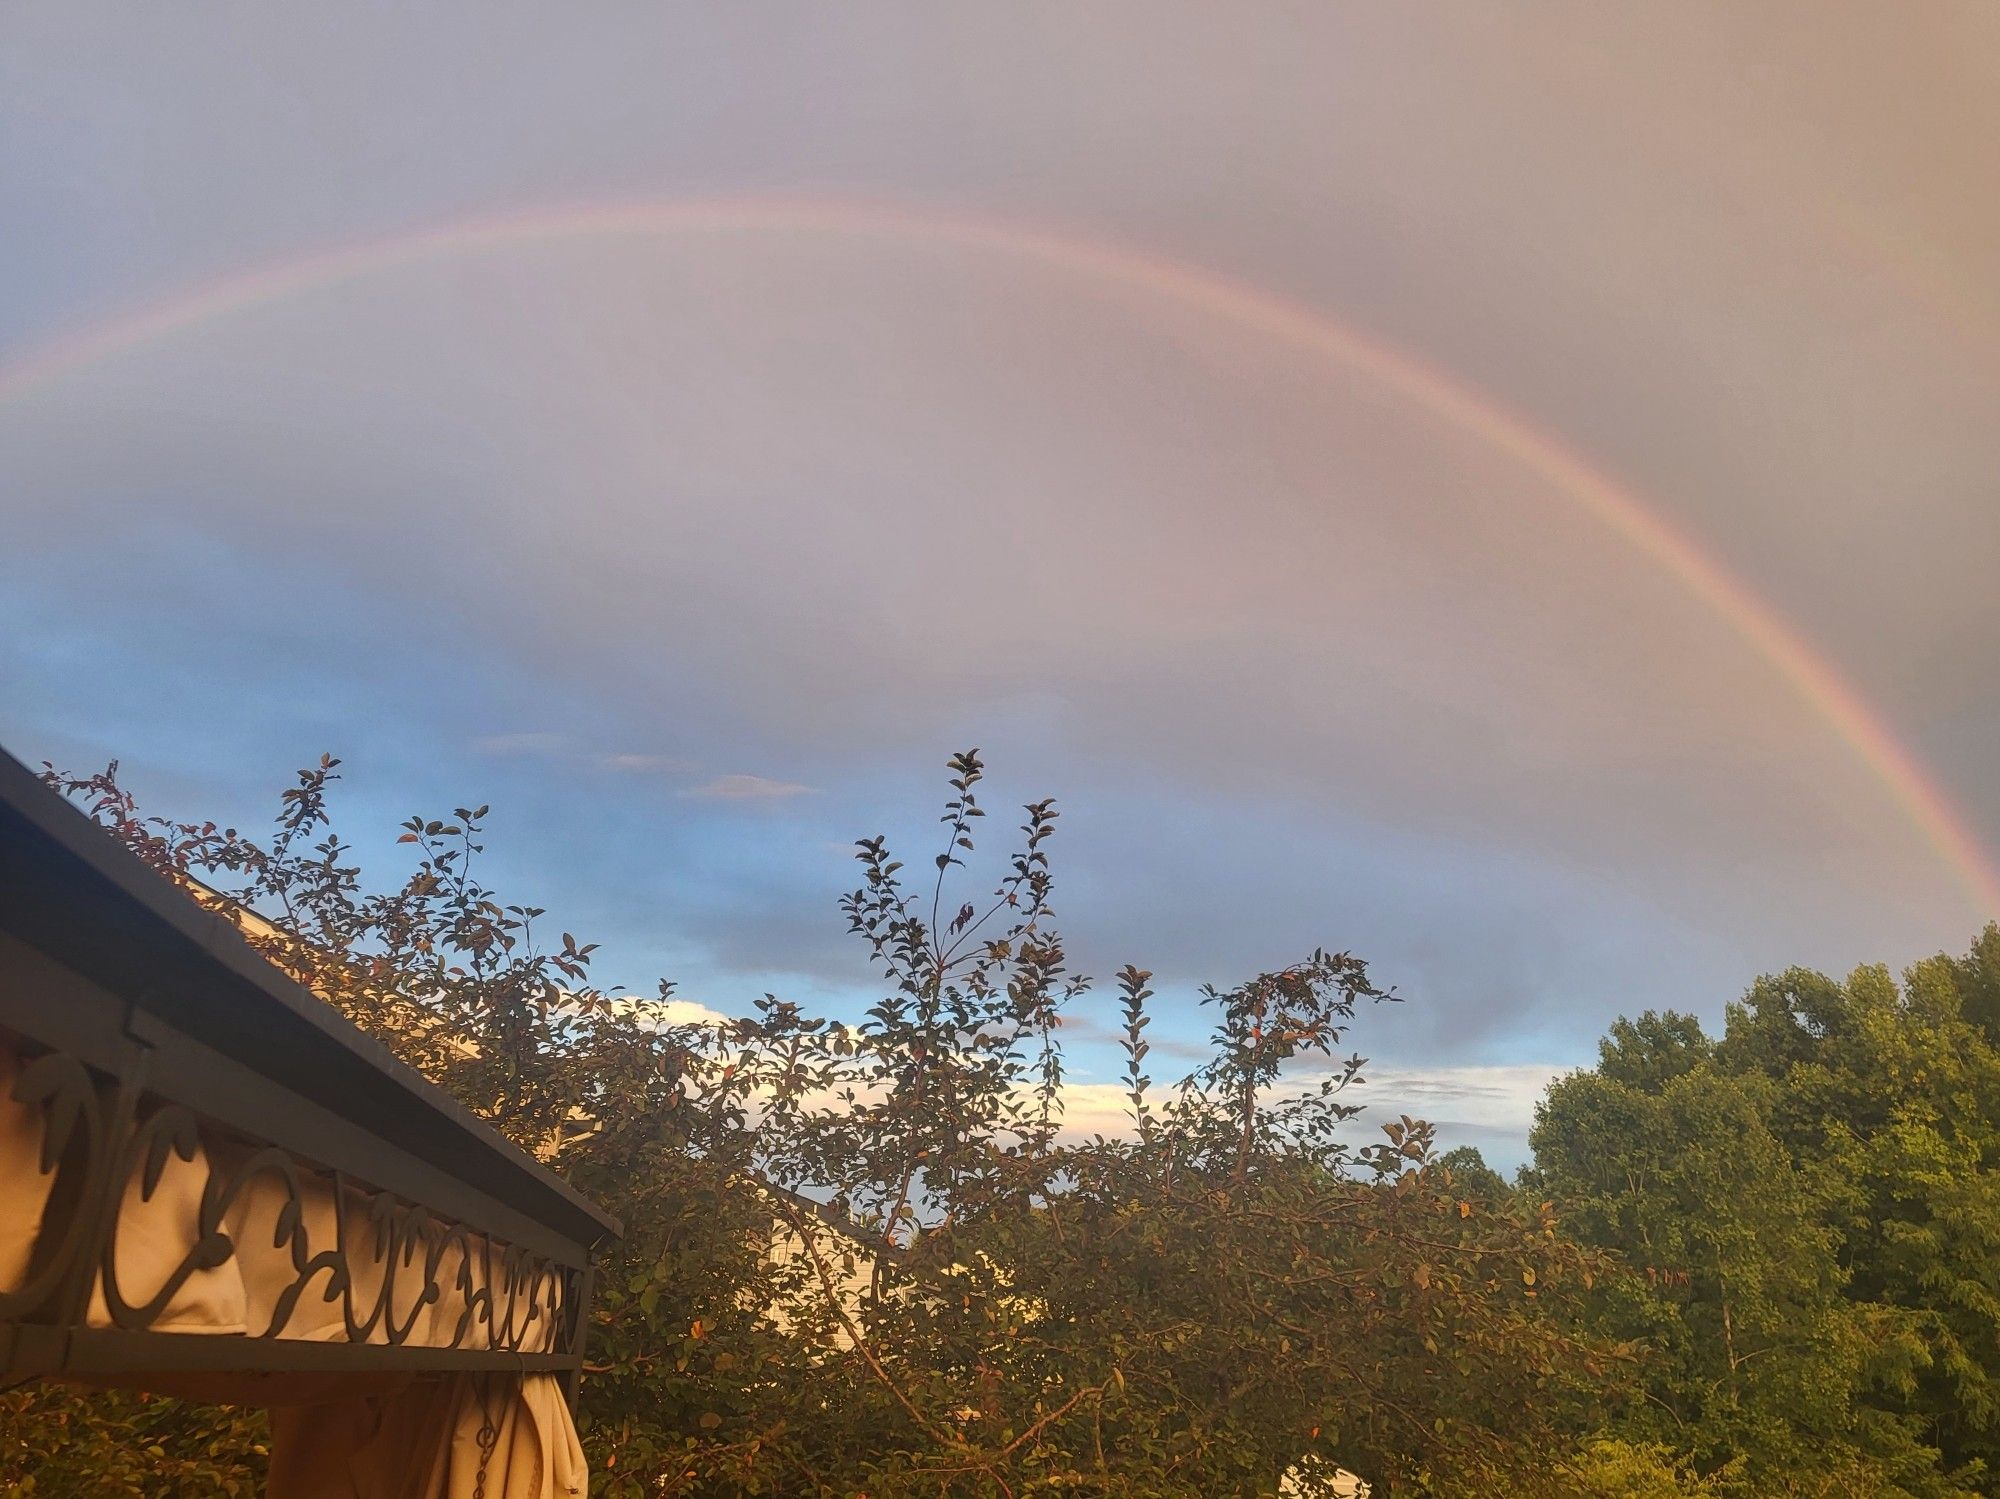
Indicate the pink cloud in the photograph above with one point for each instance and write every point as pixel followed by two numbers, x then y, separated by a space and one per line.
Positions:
pixel 738 787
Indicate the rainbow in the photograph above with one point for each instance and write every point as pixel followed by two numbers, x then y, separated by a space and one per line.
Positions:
pixel 1817 681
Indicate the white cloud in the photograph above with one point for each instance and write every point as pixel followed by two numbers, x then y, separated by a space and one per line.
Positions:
pixel 690 1012
pixel 651 1013
pixel 550 744
pixel 1095 1109
pixel 739 787
pixel 533 742
pixel 1501 1097
pixel 640 762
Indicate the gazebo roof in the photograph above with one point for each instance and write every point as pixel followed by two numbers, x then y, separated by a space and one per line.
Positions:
pixel 70 889
pixel 158 1027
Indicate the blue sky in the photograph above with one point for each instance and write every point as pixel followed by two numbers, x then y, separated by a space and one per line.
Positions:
pixel 595 527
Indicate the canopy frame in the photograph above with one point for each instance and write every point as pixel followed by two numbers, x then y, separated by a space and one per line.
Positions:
pixel 142 1025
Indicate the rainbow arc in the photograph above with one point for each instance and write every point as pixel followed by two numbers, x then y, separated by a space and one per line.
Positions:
pixel 1817 680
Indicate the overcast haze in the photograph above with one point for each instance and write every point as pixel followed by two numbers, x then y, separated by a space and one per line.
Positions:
pixel 695 540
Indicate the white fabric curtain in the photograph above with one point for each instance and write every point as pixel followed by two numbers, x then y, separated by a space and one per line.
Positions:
pixel 496 1436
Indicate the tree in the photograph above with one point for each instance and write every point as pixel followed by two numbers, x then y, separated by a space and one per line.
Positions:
pixel 1817 1193
pixel 1472 1176
pixel 1761 1361
pixel 1891 1097
pixel 1193 1308
pixel 1975 979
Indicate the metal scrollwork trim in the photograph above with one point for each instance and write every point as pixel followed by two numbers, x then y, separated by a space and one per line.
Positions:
pixel 408 1256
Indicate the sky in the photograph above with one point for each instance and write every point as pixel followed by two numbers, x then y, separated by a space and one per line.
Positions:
pixel 1505 491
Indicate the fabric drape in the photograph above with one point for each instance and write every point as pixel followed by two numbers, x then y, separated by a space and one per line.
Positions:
pixel 467 1436
pixel 335 1436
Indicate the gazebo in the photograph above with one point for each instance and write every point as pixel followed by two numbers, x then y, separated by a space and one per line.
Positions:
pixel 213 1185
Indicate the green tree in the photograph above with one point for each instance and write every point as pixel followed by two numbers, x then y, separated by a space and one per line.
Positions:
pixel 1232 1288
pixel 1471 1176
pixel 1761 1361
pixel 1975 978
pixel 1813 1208
pixel 1890 1097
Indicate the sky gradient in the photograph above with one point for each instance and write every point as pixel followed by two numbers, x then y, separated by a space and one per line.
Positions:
pixel 1507 494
